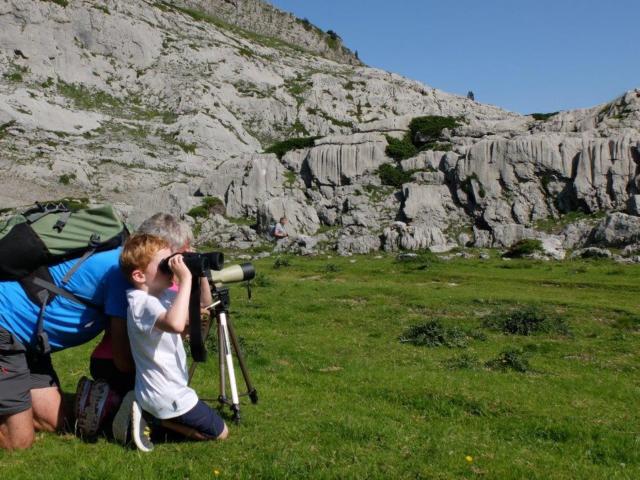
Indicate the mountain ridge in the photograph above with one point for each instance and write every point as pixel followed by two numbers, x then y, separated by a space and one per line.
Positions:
pixel 151 106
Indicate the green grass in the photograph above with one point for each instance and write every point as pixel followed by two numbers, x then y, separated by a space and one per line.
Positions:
pixel 342 397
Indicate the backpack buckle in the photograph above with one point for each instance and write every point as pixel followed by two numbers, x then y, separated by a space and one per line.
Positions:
pixel 94 240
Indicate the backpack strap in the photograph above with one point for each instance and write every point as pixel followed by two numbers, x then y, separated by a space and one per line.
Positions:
pixel 41 210
pixel 62 221
pixel 44 297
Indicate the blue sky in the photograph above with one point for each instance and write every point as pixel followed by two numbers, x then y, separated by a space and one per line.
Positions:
pixel 523 55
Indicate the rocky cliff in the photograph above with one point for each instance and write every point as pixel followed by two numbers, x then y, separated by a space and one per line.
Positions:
pixel 158 105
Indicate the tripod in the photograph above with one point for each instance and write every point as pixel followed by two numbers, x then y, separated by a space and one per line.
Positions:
pixel 226 340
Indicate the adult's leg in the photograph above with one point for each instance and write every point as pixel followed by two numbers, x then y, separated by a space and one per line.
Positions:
pixel 16 430
pixel 48 409
pixel 16 415
pixel 46 397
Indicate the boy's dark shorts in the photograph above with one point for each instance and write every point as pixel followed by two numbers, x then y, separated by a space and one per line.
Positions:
pixel 202 418
pixel 20 372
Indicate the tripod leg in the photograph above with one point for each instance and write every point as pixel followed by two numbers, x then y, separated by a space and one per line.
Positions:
pixel 223 381
pixel 253 393
pixel 235 401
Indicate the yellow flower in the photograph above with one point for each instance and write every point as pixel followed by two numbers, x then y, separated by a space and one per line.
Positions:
pixel 216 472
pixel 469 458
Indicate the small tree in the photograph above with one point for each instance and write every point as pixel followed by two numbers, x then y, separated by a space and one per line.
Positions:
pixel 470 95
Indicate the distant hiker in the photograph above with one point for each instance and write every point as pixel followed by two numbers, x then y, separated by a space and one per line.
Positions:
pixel 279 231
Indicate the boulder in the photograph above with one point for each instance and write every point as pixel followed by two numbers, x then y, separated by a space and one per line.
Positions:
pixel 303 218
pixel 591 252
pixel 400 236
pixel 617 230
pixel 357 240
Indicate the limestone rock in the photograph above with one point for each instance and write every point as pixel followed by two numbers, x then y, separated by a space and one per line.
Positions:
pixel 303 219
pixel 400 236
pixel 616 230
pixel 357 240
pixel 591 252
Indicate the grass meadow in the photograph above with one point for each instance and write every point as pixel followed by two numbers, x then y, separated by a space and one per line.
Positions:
pixel 463 395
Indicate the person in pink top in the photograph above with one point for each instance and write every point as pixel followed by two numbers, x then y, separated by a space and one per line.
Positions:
pixel 111 360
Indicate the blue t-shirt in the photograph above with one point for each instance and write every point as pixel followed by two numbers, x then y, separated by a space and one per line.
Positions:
pixel 66 322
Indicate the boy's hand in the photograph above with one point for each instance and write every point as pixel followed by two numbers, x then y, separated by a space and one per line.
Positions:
pixel 179 268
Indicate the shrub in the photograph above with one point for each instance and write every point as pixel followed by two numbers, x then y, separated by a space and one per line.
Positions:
pixel 331 268
pixel 427 129
pixel 393 175
pixel 283 147
pixel 261 280
pixel 510 359
pixel 399 149
pixel 526 246
pixel 66 178
pixel 527 320
pixel 209 205
pixel 543 116
pixel 62 3
pixel 434 334
pixel 281 262
pixel 464 361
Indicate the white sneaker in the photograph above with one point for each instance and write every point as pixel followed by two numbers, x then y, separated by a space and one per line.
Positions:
pixel 122 420
pixel 140 430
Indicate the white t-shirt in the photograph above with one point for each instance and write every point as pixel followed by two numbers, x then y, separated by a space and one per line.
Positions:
pixel 161 362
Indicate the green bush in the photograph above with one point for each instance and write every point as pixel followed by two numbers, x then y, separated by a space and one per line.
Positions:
pixel 434 334
pixel 62 3
pixel 464 361
pixel 430 128
pixel 526 246
pixel 66 178
pixel 510 359
pixel 283 147
pixel 399 149
pixel 281 262
pixel 393 175
pixel 527 320
pixel 208 206
pixel 543 116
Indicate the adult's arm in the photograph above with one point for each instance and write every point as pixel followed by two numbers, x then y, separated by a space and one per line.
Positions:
pixel 122 357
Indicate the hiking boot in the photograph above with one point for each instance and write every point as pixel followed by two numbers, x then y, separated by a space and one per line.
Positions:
pixel 122 421
pixel 94 401
pixel 140 430
pixel 82 395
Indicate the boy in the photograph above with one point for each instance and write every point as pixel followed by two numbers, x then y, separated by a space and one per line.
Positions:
pixel 155 319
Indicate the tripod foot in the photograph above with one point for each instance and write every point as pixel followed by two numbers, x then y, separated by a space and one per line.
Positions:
pixel 236 413
pixel 253 395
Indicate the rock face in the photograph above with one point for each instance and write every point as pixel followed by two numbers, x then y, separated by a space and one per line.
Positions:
pixel 157 106
pixel 259 17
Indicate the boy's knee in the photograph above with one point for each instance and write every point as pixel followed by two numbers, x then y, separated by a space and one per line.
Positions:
pixel 224 434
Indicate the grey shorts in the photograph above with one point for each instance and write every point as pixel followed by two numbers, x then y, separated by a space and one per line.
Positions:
pixel 20 372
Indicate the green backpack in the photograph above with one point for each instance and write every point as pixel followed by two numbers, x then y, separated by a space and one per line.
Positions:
pixel 49 234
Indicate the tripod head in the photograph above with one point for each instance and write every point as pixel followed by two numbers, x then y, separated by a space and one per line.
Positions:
pixel 218 278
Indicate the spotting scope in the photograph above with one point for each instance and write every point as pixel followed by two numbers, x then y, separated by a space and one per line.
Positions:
pixel 232 274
